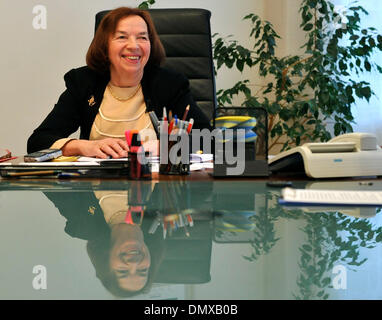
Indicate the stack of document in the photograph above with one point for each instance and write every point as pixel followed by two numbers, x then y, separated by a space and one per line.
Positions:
pixel 197 162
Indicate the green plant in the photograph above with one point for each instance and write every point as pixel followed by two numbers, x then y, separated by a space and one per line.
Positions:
pixel 146 4
pixel 302 92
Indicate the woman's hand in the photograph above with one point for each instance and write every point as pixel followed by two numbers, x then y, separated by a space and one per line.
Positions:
pixel 103 149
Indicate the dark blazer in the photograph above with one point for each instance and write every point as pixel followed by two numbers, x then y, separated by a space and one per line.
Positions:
pixel 78 105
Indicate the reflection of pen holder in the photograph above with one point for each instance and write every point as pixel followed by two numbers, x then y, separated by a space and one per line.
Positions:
pixel 140 169
pixel 139 193
pixel 174 165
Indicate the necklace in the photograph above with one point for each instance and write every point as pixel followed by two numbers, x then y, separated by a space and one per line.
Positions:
pixel 123 99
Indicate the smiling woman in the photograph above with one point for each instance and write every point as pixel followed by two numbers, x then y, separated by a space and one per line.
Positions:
pixel 129 51
pixel 122 82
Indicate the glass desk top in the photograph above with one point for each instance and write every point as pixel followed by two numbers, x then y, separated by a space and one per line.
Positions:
pixel 214 239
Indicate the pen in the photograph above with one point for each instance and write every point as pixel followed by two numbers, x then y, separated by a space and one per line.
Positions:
pixel 7 159
pixel 32 173
pixel 155 122
pixel 186 112
pixel 170 115
pixel 68 174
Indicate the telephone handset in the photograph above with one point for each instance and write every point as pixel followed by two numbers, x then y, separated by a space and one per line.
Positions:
pixel 363 141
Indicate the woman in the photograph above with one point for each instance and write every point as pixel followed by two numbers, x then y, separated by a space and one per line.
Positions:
pixel 122 81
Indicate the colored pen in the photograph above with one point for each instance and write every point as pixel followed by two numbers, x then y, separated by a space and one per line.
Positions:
pixel 32 173
pixel 171 125
pixel 189 219
pixel 68 174
pixel 190 124
pixel 170 115
pixel 185 113
pixel 7 159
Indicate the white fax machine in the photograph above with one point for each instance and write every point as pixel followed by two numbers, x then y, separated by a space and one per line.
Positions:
pixel 348 155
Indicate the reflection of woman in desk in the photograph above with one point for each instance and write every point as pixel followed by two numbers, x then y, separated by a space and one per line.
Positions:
pixel 129 256
pixel 126 257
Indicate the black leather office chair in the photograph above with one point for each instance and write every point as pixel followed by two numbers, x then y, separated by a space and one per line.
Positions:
pixel 186 37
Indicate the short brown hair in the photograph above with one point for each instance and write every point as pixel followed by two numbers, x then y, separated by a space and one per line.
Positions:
pixel 97 55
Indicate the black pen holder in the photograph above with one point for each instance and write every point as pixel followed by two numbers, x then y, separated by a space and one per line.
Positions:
pixel 139 167
pixel 175 164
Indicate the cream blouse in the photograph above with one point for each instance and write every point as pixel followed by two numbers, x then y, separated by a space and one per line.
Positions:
pixel 114 205
pixel 121 109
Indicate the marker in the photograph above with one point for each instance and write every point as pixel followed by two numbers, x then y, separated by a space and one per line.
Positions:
pixel 133 140
pixel 164 114
pixel 190 124
pixel 189 219
pixel 171 126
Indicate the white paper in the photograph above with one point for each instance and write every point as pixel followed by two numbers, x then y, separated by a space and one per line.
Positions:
pixel 204 157
pixel 90 159
pixel 201 166
pixel 57 164
pixel 304 196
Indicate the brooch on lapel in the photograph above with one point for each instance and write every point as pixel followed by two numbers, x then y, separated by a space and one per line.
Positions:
pixel 91 101
pixel 92 210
